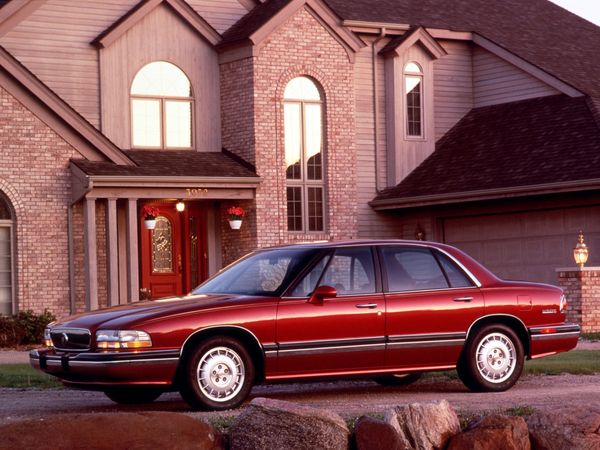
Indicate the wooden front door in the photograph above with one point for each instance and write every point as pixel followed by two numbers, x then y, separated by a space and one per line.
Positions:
pixel 173 255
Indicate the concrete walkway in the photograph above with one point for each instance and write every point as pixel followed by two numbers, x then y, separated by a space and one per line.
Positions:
pixel 16 357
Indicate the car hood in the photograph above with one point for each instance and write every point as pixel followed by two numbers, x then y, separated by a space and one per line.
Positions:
pixel 134 313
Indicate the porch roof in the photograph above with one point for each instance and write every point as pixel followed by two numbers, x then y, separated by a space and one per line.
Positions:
pixel 530 147
pixel 172 163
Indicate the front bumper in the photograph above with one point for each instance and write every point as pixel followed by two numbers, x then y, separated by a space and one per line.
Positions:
pixel 550 339
pixel 151 367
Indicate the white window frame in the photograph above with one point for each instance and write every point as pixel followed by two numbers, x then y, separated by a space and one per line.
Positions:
pixel 421 76
pixel 11 251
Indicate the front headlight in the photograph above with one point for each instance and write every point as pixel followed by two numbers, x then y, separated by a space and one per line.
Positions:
pixel 48 338
pixel 112 339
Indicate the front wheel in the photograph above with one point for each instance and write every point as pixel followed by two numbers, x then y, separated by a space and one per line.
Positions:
pixel 492 360
pixel 218 374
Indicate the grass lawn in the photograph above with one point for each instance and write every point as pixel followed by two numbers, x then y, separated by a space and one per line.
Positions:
pixel 576 362
pixel 25 376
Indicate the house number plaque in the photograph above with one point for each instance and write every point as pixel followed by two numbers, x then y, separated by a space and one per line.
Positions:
pixel 196 192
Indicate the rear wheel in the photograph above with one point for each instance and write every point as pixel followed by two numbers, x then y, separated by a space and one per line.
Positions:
pixel 133 396
pixel 399 379
pixel 218 375
pixel 492 360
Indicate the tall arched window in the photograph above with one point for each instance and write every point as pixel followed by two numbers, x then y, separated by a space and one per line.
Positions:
pixel 6 258
pixel 303 130
pixel 413 85
pixel 161 107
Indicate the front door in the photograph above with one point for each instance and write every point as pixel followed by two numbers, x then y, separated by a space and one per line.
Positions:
pixel 173 255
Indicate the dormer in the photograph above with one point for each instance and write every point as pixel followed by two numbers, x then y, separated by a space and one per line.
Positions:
pixel 409 108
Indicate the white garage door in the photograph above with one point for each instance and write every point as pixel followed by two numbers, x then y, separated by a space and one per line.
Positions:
pixel 527 246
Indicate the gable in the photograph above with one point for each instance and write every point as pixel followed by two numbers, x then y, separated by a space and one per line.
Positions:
pixel 497 81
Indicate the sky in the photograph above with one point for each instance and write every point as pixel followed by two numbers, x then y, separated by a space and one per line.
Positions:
pixel 588 9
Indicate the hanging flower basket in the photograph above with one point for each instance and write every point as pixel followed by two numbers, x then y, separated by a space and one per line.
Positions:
pixel 150 214
pixel 235 215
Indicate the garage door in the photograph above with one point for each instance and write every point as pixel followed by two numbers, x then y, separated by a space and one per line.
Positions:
pixel 527 246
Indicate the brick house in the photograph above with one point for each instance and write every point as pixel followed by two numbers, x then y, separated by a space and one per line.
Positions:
pixel 475 124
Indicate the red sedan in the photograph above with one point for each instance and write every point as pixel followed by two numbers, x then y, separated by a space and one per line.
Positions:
pixel 382 309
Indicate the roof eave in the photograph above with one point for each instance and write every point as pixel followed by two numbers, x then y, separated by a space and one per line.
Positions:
pixel 484 194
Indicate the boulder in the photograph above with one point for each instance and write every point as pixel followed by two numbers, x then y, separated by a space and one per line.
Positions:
pixel 574 428
pixel 134 431
pixel 275 424
pixel 493 433
pixel 374 434
pixel 424 426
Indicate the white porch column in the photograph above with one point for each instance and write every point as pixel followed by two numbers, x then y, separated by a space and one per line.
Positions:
pixel 112 252
pixel 133 274
pixel 91 255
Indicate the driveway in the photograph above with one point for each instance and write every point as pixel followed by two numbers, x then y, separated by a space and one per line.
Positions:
pixel 347 397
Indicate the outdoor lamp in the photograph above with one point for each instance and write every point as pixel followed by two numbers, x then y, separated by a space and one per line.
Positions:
pixel 180 206
pixel 580 252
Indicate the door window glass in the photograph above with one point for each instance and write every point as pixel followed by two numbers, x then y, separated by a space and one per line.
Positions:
pixel 162 246
pixel 412 269
pixel 308 284
pixel 351 271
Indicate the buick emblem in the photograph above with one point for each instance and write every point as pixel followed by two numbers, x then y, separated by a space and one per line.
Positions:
pixel 64 338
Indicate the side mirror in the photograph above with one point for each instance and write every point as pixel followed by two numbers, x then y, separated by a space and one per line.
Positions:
pixel 321 293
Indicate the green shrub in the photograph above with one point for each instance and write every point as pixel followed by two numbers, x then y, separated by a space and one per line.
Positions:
pixel 26 328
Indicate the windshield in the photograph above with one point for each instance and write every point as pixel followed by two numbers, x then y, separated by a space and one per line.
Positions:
pixel 262 273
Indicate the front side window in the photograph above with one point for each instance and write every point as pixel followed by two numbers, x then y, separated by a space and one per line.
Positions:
pixel 413 86
pixel 303 132
pixel 262 273
pixel 6 263
pixel 161 107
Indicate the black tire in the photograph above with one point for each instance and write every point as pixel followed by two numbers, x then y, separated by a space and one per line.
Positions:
pixel 400 379
pixel 133 396
pixel 218 374
pixel 492 360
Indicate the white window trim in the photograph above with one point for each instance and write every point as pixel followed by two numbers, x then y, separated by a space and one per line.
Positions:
pixel 11 251
pixel 421 75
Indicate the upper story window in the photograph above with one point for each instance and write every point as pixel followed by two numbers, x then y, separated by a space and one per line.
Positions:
pixel 6 262
pixel 161 107
pixel 413 85
pixel 303 130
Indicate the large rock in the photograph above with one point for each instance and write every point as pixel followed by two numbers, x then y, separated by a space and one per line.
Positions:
pixel 274 424
pixel 424 426
pixel 573 428
pixel 374 434
pixel 493 433
pixel 110 431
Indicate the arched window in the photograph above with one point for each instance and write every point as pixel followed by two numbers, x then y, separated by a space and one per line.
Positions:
pixel 413 85
pixel 303 131
pixel 161 107
pixel 6 258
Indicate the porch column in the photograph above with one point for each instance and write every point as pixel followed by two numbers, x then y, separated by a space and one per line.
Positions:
pixel 112 252
pixel 91 255
pixel 133 274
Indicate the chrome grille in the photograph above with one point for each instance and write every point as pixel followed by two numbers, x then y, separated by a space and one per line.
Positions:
pixel 74 339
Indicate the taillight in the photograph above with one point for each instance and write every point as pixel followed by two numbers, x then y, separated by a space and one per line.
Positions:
pixel 563 303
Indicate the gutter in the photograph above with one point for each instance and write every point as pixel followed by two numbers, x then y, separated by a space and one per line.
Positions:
pixel 483 194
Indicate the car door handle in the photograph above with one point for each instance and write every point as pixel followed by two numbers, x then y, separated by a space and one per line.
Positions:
pixel 462 299
pixel 367 305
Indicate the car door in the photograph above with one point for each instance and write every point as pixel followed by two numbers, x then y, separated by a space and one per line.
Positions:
pixel 430 304
pixel 334 335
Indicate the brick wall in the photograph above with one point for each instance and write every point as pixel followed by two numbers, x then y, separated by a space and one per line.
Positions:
pixel 301 46
pixel 582 290
pixel 35 176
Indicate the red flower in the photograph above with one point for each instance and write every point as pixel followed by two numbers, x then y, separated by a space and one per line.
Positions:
pixel 150 212
pixel 236 213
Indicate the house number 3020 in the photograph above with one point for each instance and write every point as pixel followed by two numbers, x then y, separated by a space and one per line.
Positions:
pixel 195 192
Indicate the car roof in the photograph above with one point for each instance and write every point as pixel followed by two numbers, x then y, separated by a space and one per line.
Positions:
pixel 356 243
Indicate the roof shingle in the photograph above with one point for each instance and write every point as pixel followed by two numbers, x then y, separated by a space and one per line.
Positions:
pixel 530 142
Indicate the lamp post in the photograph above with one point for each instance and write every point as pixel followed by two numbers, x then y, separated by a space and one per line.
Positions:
pixel 580 252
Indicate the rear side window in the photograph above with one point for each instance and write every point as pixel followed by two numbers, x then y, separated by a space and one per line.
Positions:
pixel 456 276
pixel 412 269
